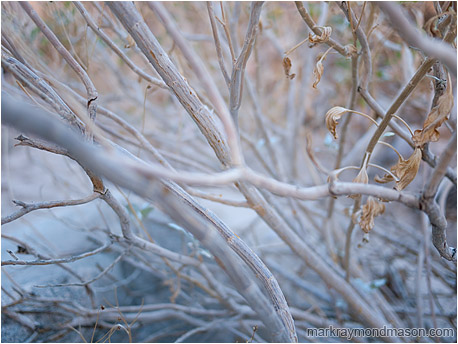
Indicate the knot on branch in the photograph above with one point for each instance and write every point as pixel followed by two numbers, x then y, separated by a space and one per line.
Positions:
pixel 20 203
pixel 331 184
pixel 23 141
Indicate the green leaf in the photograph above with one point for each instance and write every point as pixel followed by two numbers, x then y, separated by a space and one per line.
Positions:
pixel 145 211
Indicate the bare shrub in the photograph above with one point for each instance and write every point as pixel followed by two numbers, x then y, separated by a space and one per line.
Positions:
pixel 228 171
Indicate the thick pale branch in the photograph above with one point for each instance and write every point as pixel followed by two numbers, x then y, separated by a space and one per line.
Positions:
pixel 238 245
pixel 134 179
pixel 146 41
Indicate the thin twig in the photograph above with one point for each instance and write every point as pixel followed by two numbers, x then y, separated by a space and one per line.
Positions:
pixel 238 70
pixel 28 207
pixel 57 260
pixel 219 52
pixel 317 31
pixel 90 88
pixel 83 284
pixel 99 32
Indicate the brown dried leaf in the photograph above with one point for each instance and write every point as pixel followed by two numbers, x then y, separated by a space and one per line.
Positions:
pixel 317 73
pixel 324 37
pixel 407 170
pixel 332 117
pixel 287 68
pixel 385 179
pixel 437 116
pixel 404 170
pixel 370 210
pixel 363 178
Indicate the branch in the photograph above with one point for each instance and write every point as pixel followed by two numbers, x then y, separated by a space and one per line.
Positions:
pixel 238 70
pixel 90 88
pixel 427 156
pixel 83 284
pixel 132 239
pixel 57 260
pixel 27 208
pixel 214 198
pixel 139 176
pixel 219 52
pixel 439 227
pixel 430 46
pixel 99 32
pixel 311 24
pixel 441 168
pixel 364 45
pixel 436 217
pixel 405 93
pixel 41 88
pixel 134 178
pixel 151 48
pixel 236 244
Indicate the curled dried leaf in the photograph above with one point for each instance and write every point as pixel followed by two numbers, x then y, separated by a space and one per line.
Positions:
pixel 370 210
pixel 437 116
pixel 323 37
pixel 404 170
pixel 318 70
pixel 332 118
pixel 317 73
pixel 385 179
pixel 287 67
